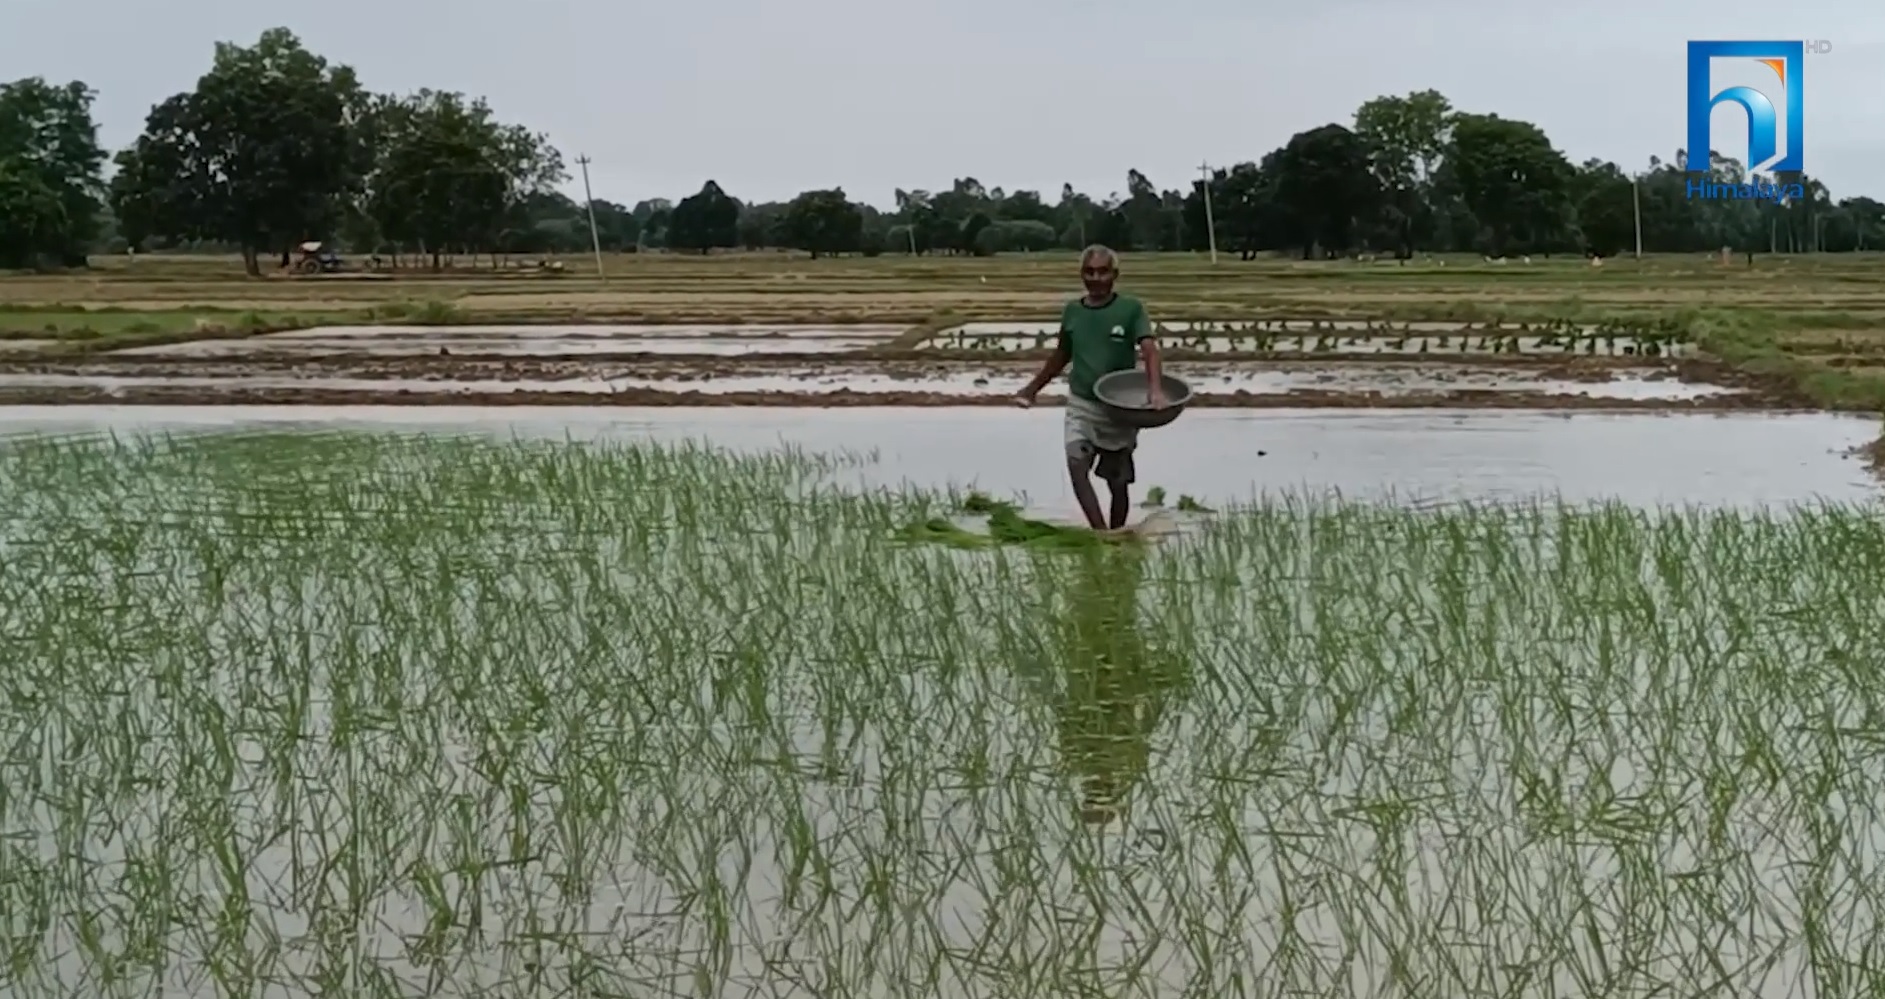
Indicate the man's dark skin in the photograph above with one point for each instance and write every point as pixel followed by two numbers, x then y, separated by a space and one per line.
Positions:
pixel 1097 273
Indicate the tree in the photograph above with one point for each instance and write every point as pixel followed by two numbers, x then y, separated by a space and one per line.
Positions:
pixel 616 227
pixel 1859 226
pixel 953 219
pixel 49 145
pixel 32 218
pixel 759 225
pixel 1025 206
pixel 1405 138
pixel 922 225
pixel 447 174
pixel 1143 210
pixel 161 190
pixel 1111 226
pixel 968 234
pixel 274 146
pixel 822 222
pixel 1243 207
pixel 1075 215
pixel 1025 236
pixel 652 216
pixel 704 221
pixel 1323 176
pixel 263 153
pixel 1512 179
pixel 874 237
pixel 1603 199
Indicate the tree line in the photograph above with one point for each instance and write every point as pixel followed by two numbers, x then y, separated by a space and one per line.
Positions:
pixel 276 146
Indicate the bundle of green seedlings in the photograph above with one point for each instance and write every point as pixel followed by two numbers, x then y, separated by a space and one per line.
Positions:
pixel 1006 526
pixel 377 715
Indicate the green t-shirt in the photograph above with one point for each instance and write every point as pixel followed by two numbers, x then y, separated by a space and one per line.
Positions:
pixel 1102 339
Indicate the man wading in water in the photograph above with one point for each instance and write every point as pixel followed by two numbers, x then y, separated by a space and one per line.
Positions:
pixel 1098 334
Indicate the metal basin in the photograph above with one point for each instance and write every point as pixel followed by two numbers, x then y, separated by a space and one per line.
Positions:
pixel 1123 394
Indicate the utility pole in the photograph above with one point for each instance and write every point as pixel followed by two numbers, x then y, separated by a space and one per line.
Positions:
pixel 1636 209
pixel 595 240
pixel 1210 221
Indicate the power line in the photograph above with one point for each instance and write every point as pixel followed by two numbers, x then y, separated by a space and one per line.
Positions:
pixel 589 199
pixel 1210 223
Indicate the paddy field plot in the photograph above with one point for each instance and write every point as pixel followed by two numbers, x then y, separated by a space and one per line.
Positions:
pixel 1251 365
pixel 892 381
pixel 1342 336
pixel 375 713
pixel 534 341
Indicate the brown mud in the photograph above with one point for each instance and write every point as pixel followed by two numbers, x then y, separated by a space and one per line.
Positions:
pixel 284 352
pixel 918 365
pixel 1507 388
pixel 237 394
pixel 458 363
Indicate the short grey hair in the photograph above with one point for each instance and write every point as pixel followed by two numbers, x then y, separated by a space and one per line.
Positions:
pixel 1100 251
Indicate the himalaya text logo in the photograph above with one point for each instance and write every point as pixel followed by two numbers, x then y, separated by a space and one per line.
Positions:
pixel 1708 190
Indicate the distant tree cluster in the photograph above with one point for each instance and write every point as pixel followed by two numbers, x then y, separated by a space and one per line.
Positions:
pixel 1409 175
pixel 272 148
pixel 275 146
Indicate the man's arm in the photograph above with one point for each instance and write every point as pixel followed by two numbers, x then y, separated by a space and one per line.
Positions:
pixel 1058 360
pixel 1050 369
pixel 1154 365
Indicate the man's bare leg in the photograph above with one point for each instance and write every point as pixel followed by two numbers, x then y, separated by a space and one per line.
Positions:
pixel 1083 491
pixel 1122 504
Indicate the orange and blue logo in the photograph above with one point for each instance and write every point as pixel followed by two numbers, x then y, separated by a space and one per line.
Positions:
pixel 1774 109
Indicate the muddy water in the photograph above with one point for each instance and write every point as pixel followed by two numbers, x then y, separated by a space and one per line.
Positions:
pixel 535 340
pixel 1326 336
pixel 584 332
pixel 1265 326
pixel 26 346
pixel 1459 343
pixel 1426 457
pixel 966 381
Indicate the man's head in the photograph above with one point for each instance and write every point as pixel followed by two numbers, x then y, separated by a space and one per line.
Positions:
pixel 1099 268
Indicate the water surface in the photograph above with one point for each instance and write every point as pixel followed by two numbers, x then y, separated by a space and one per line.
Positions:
pixel 1222 455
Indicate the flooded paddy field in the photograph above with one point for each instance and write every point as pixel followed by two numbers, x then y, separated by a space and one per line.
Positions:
pixel 799 381
pixel 456 701
pixel 1223 456
pixel 24 345
pixel 532 340
pixel 1335 336
pixel 848 366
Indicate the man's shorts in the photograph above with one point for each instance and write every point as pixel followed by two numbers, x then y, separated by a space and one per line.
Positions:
pixel 1099 443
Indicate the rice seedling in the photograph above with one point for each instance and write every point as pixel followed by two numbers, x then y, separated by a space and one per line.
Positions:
pixel 1006 526
pixel 374 715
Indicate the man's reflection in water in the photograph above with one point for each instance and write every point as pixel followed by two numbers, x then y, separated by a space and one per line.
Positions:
pixel 1115 685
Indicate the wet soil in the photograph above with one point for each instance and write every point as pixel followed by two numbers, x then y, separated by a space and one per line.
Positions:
pixel 286 352
pixel 816 379
pixel 914 365
pixel 237 394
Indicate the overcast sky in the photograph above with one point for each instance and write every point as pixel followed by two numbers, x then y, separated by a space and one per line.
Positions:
pixel 771 97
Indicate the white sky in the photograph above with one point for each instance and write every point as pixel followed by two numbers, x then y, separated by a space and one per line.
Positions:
pixel 771 97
